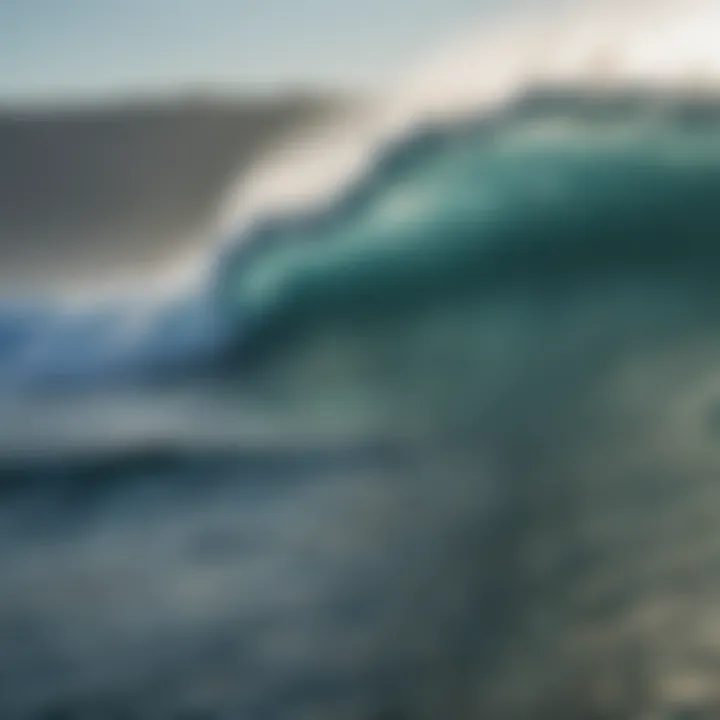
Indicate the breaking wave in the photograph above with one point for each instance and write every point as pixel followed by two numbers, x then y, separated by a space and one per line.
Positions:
pixel 563 150
pixel 440 430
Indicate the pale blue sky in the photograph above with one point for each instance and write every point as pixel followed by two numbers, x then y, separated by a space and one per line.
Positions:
pixel 67 48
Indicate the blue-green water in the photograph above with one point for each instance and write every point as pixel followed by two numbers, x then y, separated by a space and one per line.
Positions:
pixel 446 449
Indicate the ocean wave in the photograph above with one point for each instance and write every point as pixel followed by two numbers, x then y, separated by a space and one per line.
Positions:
pixel 586 168
pixel 563 187
pixel 560 189
pixel 497 494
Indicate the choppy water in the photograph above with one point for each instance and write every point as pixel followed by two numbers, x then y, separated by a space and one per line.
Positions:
pixel 442 447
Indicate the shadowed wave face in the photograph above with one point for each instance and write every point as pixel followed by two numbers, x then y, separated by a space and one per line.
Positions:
pixel 447 448
pixel 559 190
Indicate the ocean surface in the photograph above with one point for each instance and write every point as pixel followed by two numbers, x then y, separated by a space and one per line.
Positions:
pixel 441 442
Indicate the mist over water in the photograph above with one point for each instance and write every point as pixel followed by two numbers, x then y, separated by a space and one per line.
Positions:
pixel 438 441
